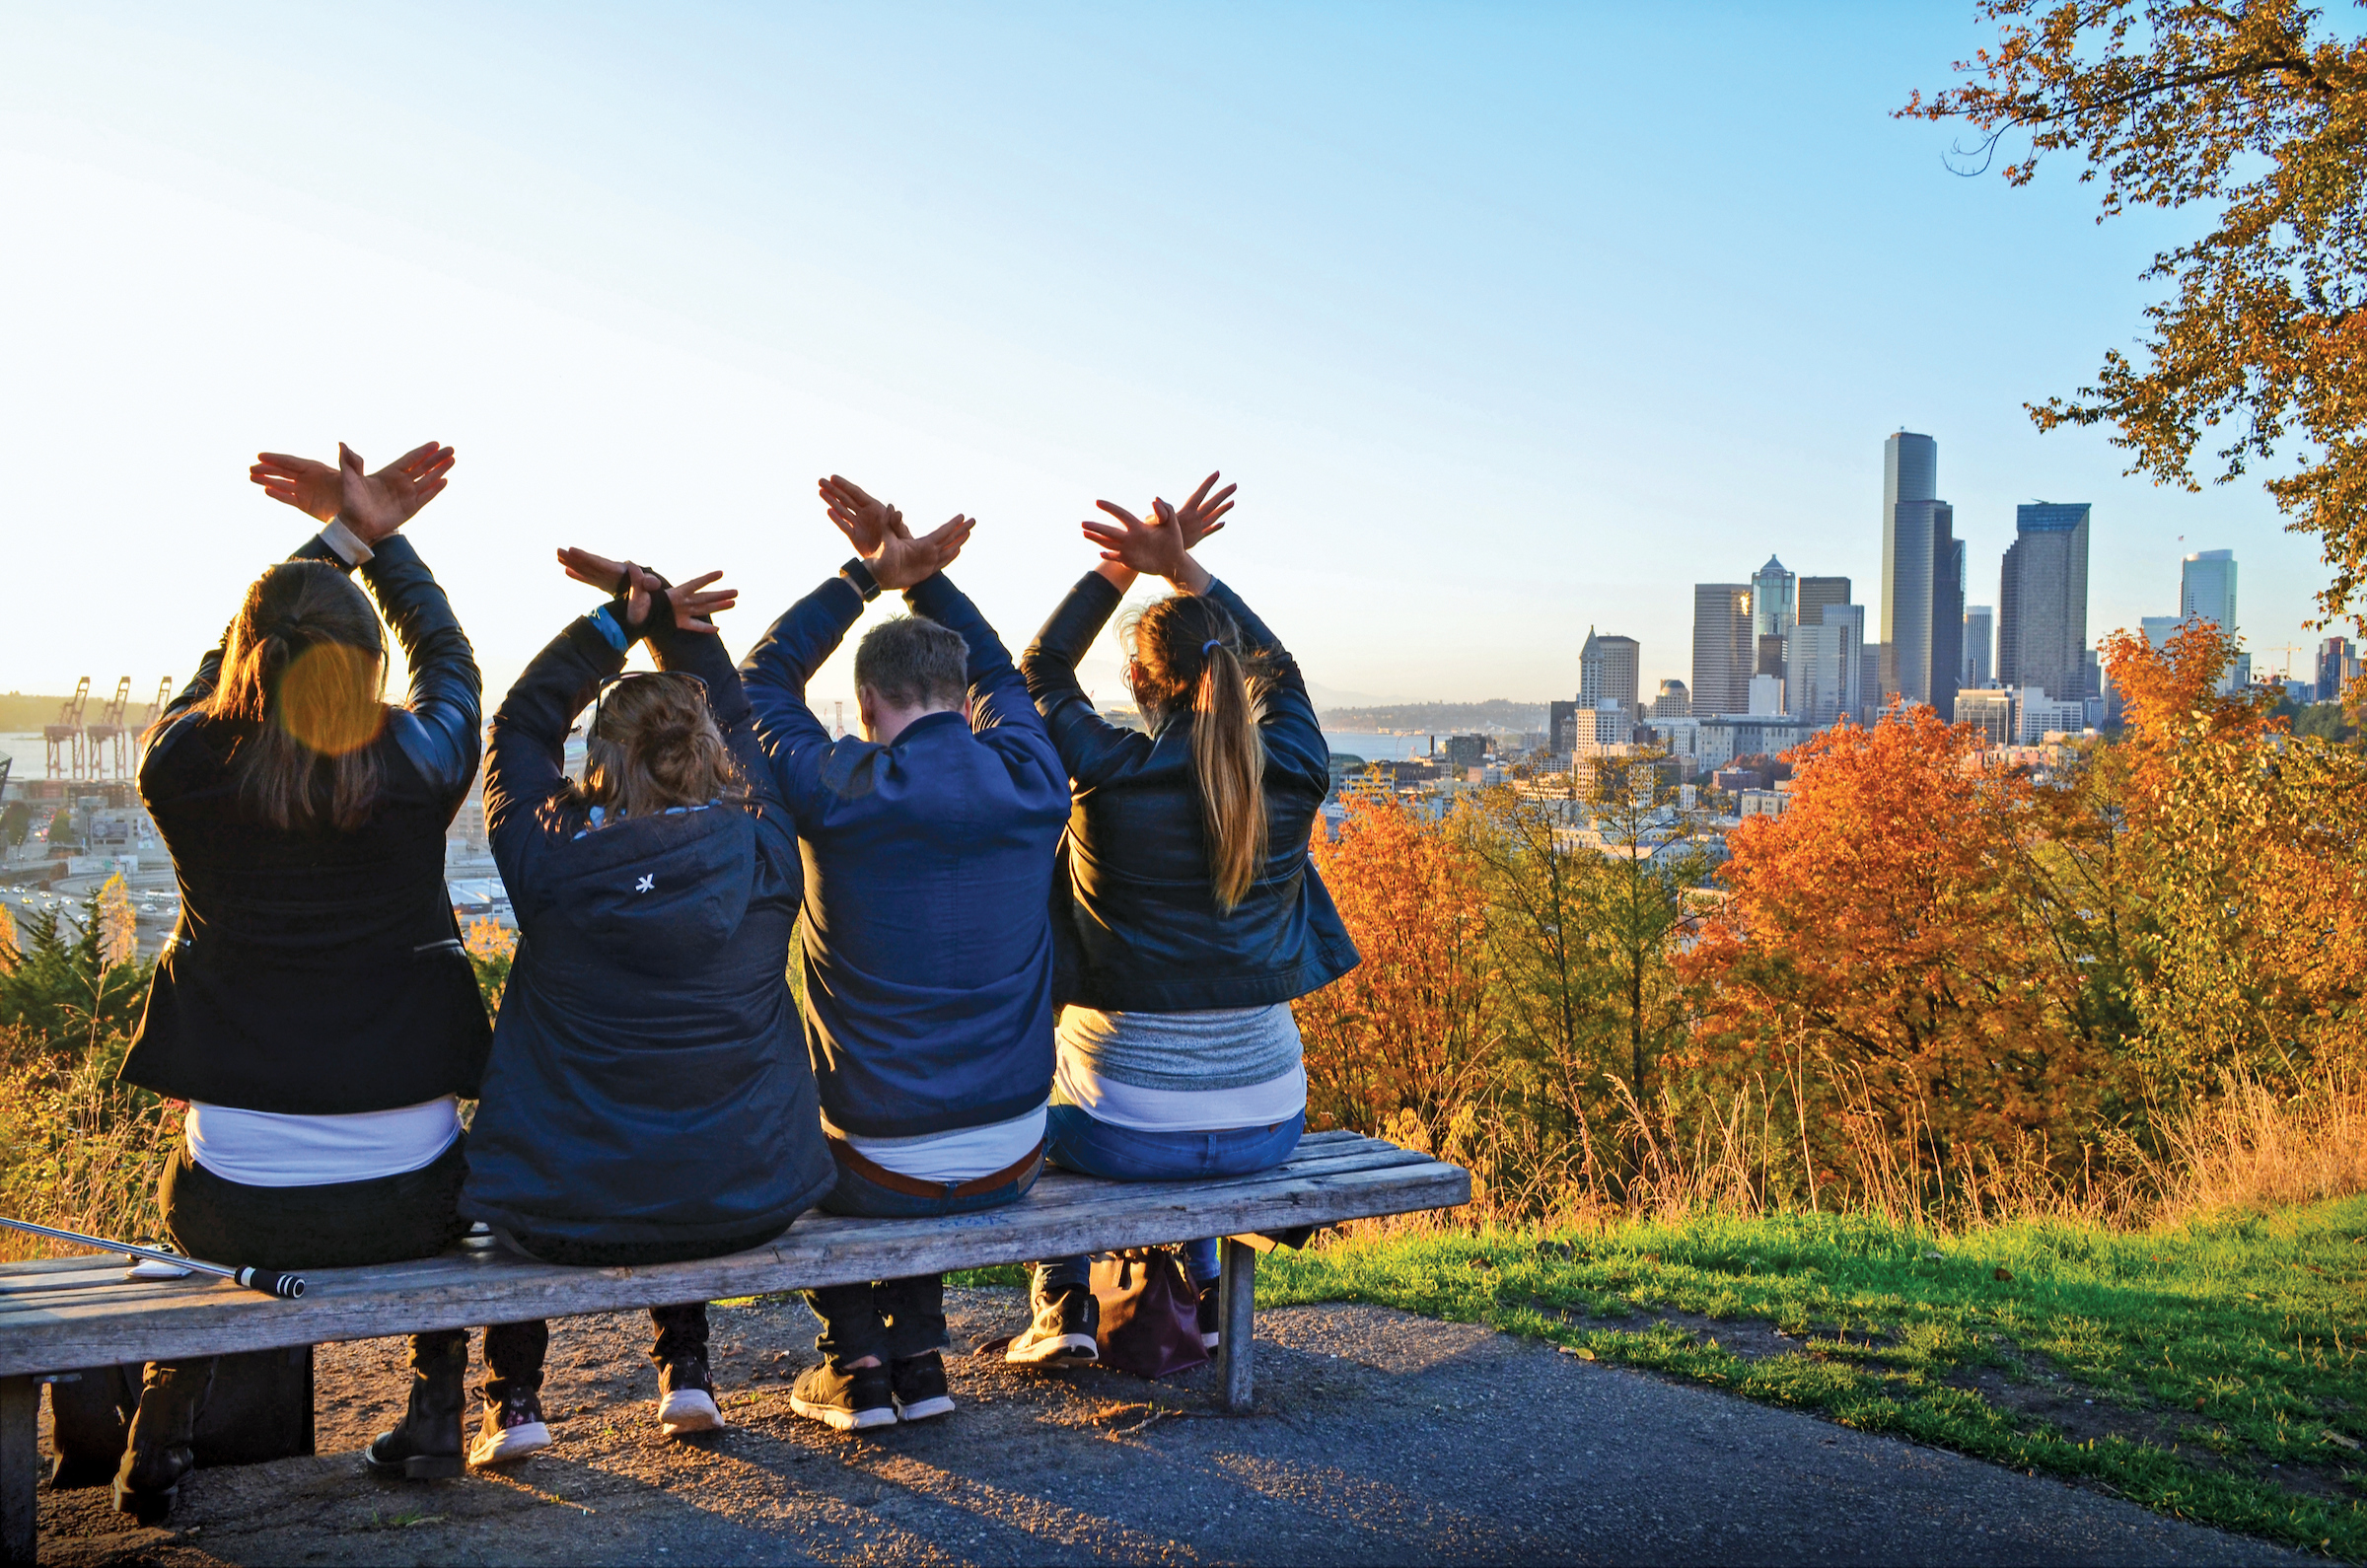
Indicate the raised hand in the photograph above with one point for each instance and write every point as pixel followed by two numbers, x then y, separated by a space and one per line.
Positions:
pixel 315 488
pixel 862 519
pixel 900 560
pixel 693 603
pixel 1200 516
pixel 375 505
pixel 1155 546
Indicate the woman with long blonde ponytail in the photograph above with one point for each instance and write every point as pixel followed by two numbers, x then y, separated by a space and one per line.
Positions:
pixel 1193 916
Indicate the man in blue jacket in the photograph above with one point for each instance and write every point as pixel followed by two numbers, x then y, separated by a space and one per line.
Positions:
pixel 927 946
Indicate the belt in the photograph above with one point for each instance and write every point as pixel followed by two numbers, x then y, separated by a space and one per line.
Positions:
pixel 914 1187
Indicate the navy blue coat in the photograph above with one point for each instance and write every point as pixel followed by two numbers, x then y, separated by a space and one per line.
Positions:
pixel 646 1088
pixel 927 950
pixel 1141 929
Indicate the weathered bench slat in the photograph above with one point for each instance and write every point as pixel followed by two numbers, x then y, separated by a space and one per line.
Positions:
pixel 55 1289
pixel 1350 1179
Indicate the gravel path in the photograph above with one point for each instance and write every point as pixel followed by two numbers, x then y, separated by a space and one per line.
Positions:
pixel 1378 1437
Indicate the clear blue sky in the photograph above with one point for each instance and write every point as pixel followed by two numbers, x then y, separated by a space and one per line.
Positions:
pixel 1508 320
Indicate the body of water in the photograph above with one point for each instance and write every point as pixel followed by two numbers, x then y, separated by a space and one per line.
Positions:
pixel 1377 748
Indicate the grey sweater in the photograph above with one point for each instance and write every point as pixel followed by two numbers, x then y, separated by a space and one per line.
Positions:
pixel 1228 1048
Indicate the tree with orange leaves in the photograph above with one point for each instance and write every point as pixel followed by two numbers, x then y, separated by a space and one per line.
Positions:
pixel 1877 959
pixel 1410 1030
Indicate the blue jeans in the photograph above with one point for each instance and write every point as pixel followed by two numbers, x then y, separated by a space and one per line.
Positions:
pixel 894 1319
pixel 1075 1140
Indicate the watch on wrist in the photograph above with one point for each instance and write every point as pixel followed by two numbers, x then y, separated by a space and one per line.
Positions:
pixel 859 574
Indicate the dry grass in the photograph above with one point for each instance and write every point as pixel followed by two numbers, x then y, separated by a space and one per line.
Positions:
pixel 80 1152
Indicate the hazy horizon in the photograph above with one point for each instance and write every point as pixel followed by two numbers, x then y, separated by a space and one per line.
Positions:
pixel 1502 336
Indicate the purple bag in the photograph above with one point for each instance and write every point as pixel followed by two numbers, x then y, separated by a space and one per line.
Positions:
pixel 1150 1313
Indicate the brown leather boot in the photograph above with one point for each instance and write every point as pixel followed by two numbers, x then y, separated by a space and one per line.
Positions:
pixel 427 1446
pixel 172 1396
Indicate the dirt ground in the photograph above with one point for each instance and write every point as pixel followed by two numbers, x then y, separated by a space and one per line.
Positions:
pixel 1378 1438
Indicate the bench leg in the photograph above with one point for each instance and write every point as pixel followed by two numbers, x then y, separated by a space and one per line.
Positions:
pixel 20 1467
pixel 1237 1325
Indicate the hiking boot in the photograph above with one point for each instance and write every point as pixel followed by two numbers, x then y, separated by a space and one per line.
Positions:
pixel 686 1397
pixel 852 1400
pixel 157 1454
pixel 510 1428
pixel 1063 1334
pixel 427 1446
pixel 1211 1330
pixel 919 1386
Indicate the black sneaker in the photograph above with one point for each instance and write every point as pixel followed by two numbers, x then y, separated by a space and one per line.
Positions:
pixel 510 1429
pixel 919 1384
pixel 851 1400
pixel 1063 1332
pixel 686 1397
pixel 1210 1332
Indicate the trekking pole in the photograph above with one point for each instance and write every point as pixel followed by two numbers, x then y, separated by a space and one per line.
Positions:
pixel 287 1287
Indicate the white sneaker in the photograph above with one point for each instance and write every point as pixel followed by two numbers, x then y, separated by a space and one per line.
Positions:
pixel 510 1430
pixel 689 1411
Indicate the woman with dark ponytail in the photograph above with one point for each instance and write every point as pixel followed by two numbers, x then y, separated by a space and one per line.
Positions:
pixel 314 1006
pixel 1187 913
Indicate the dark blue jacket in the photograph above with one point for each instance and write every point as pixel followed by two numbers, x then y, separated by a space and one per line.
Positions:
pixel 647 1088
pixel 314 972
pixel 927 952
pixel 1143 931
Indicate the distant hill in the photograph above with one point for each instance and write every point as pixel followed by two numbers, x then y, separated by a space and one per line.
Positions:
pixel 23 715
pixel 1440 718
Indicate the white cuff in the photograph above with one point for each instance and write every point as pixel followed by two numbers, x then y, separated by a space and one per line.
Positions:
pixel 347 543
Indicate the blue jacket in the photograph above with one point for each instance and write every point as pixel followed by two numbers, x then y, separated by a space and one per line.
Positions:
pixel 927 948
pixel 1141 930
pixel 646 1085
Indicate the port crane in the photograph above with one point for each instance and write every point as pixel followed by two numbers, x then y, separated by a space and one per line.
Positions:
pixel 110 757
pixel 65 753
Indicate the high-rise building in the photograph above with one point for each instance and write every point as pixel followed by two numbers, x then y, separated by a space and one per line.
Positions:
pixel 2206 591
pixel 1979 625
pixel 1767 696
pixel 1608 673
pixel 1991 713
pixel 2159 630
pixel 1674 701
pixel 2338 666
pixel 1562 727
pixel 1722 648
pixel 1822 662
pixel 2042 600
pixel 1922 595
pixel 1775 599
pixel 1818 592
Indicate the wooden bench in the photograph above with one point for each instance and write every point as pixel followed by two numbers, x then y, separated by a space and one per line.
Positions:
pixel 58 1315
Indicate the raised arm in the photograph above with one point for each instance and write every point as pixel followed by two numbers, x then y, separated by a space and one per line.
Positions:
pixel 678 624
pixel 774 675
pixel 1088 745
pixel 526 750
pixel 997 694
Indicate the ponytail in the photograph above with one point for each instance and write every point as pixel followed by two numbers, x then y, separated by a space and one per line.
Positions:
pixel 1186 648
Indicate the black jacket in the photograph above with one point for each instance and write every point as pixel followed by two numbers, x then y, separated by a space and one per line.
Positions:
pixel 318 972
pixel 1141 928
pixel 928 955
pixel 648 1086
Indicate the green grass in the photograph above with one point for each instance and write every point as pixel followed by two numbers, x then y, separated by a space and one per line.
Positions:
pixel 2222 1359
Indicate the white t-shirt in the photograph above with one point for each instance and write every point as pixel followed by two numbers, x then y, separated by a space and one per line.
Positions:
pixel 962 1155
pixel 264 1149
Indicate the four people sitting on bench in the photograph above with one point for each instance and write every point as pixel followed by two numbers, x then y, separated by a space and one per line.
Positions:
pixel 991 870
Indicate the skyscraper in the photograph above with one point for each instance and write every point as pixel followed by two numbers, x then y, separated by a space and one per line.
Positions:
pixel 1722 648
pixel 2042 600
pixel 1922 604
pixel 1818 592
pixel 1674 703
pixel 1980 623
pixel 1608 672
pixel 2206 591
pixel 2338 664
pixel 1822 662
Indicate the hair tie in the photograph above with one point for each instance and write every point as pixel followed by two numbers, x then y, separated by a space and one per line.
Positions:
pixel 1213 642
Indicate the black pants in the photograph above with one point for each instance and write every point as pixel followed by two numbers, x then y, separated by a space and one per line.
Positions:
pixel 678 1332
pixel 344 1225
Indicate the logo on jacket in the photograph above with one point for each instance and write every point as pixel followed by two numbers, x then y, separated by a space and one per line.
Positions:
pixel 646 883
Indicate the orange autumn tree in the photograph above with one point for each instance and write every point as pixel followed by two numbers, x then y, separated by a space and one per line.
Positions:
pixel 1404 1040
pixel 2254 849
pixel 1878 969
